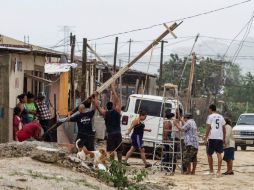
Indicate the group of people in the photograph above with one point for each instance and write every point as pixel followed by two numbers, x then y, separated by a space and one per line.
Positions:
pixel 112 117
pixel 30 117
pixel 218 138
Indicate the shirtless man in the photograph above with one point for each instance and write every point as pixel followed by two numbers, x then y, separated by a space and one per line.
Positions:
pixel 112 118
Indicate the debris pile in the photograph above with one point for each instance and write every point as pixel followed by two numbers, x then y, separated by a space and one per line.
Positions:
pixel 21 149
pixel 45 152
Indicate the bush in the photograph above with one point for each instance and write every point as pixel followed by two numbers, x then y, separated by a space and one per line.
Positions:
pixel 117 175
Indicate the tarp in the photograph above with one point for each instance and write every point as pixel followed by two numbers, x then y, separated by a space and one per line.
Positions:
pixel 53 68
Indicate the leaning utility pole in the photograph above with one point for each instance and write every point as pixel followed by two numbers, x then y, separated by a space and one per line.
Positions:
pixel 124 69
pixel 189 90
pixel 181 77
pixel 84 70
pixel 161 64
pixel 72 91
pixel 115 54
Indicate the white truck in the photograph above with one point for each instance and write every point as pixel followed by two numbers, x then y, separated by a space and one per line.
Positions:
pixel 152 105
pixel 244 131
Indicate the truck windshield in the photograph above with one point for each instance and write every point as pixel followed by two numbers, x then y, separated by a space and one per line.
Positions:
pixel 246 120
pixel 151 107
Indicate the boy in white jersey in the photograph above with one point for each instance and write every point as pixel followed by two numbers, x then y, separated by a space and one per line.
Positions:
pixel 215 137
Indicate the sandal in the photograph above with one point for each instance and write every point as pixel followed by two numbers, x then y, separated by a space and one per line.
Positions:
pixel 148 165
pixel 228 173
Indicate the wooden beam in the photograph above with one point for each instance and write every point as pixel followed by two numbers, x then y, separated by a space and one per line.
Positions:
pixel 39 79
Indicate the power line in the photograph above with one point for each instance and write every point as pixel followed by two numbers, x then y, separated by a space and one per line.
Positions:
pixel 244 38
pixel 179 19
pixel 246 25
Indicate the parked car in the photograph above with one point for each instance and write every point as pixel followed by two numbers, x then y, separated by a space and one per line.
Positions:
pixel 152 105
pixel 244 131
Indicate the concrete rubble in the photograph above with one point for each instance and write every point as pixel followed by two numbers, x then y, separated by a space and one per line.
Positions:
pixel 45 152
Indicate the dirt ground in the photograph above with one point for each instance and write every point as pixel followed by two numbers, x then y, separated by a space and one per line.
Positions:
pixel 25 173
pixel 243 178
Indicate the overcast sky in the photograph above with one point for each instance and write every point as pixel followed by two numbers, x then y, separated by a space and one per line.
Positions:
pixel 42 20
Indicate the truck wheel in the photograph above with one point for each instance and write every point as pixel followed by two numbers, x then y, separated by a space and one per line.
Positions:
pixel 235 148
pixel 243 147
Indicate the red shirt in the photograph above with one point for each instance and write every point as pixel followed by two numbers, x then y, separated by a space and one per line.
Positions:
pixel 30 130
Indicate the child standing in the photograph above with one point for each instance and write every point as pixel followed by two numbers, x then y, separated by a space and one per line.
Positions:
pixel 229 149
pixel 30 106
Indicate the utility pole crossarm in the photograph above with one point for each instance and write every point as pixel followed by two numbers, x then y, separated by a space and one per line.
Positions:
pixel 126 67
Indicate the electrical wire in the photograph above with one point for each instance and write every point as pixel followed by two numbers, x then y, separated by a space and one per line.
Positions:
pixel 179 19
pixel 244 38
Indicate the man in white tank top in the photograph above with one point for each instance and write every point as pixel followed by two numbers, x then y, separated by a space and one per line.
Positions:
pixel 215 137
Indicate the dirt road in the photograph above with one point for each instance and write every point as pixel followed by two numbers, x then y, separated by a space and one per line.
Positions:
pixel 25 173
pixel 243 178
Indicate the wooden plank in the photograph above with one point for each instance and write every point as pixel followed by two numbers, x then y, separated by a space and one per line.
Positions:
pixel 36 78
pixel 63 92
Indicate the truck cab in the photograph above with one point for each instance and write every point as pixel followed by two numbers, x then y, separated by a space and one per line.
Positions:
pixel 244 131
pixel 153 106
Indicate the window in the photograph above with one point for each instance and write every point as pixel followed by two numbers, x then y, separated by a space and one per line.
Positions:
pixel 151 107
pixel 246 120
pixel 127 105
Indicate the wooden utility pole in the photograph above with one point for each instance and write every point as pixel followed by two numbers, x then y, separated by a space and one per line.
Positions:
pixel 89 78
pixel 181 77
pixel 72 91
pixel 84 69
pixel 161 64
pixel 94 75
pixel 140 55
pixel 189 91
pixel 115 54
pixel 129 56
pixel 120 83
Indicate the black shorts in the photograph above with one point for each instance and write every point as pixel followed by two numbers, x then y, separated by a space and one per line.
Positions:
pixel 214 145
pixel 137 141
pixel 114 141
pixel 86 140
pixel 229 154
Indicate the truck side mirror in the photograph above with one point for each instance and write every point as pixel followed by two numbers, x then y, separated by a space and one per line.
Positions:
pixel 234 123
pixel 123 108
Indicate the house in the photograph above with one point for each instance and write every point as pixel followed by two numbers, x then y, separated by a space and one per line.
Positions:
pixel 22 70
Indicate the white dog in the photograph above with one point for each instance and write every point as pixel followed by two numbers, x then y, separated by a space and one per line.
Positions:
pixel 97 157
